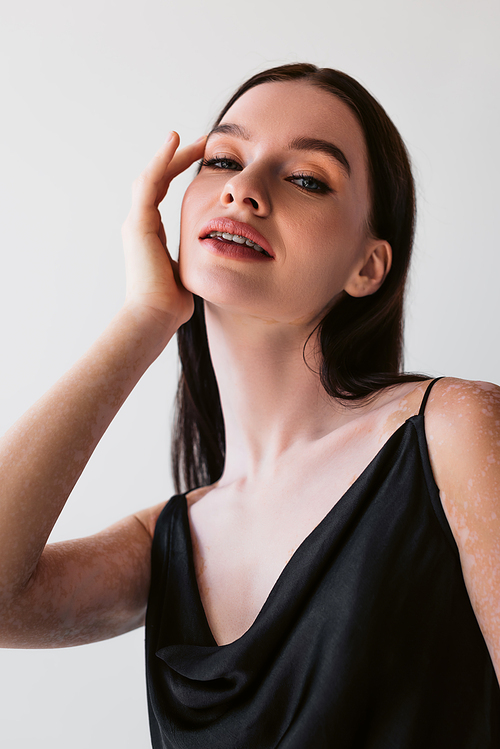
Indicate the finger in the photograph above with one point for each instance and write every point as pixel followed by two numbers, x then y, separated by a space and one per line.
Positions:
pixel 151 186
pixel 180 162
pixel 186 156
pixel 156 167
pixel 145 188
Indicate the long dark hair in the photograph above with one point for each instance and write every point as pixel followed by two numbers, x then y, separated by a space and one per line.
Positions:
pixel 361 338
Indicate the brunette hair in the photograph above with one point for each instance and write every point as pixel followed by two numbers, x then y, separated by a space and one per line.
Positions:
pixel 360 338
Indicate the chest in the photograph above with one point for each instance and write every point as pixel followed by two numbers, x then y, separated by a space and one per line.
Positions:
pixel 242 543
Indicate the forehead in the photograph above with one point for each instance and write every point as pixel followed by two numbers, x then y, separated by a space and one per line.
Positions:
pixel 281 111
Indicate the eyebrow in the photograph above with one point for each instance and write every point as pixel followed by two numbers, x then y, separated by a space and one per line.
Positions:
pixel 323 146
pixel 229 128
pixel 297 144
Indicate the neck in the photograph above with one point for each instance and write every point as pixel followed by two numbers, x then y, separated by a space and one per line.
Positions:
pixel 272 401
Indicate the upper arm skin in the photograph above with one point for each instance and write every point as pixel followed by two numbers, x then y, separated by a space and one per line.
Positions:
pixel 462 421
pixel 86 589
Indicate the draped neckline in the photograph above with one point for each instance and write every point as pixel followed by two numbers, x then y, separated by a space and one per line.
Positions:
pixel 307 541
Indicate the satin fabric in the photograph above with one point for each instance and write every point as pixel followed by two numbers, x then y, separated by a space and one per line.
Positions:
pixel 367 641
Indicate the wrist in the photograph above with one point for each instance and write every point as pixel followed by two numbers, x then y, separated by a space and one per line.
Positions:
pixel 155 326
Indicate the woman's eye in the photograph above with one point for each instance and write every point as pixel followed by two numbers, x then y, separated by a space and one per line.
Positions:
pixel 311 184
pixel 221 163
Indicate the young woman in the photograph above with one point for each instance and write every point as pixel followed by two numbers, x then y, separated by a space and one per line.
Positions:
pixel 331 576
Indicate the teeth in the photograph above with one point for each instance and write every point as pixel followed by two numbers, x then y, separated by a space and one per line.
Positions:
pixel 238 239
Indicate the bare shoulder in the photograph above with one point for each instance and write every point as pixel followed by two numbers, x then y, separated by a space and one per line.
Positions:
pixel 196 494
pixel 462 423
pixel 463 429
pixel 453 400
pixel 149 517
pixel 463 434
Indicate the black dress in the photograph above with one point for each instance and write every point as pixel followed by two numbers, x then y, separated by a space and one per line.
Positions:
pixel 367 641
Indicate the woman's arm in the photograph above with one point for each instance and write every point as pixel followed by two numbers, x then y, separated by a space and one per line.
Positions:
pixel 93 588
pixel 463 434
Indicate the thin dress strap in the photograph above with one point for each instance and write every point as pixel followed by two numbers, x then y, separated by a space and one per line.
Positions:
pixel 426 395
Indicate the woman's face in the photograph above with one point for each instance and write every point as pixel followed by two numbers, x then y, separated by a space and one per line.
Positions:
pixel 286 168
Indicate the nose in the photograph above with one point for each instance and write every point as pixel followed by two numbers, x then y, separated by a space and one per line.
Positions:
pixel 248 190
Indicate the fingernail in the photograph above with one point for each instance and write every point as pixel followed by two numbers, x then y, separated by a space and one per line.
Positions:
pixel 169 137
pixel 202 137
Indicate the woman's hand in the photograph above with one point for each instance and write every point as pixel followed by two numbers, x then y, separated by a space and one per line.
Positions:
pixel 153 284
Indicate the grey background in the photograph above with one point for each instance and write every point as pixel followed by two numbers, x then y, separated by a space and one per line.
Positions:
pixel 89 91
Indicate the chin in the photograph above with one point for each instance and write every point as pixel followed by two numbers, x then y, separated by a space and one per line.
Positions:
pixel 222 285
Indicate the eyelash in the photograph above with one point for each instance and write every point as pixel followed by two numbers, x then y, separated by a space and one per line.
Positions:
pixel 213 164
pixel 322 187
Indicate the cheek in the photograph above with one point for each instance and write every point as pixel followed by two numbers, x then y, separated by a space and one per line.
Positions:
pixel 196 272
pixel 192 212
pixel 329 249
pixel 187 233
pixel 190 203
pixel 200 194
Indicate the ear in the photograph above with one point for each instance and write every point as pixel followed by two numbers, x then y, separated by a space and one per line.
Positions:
pixel 376 264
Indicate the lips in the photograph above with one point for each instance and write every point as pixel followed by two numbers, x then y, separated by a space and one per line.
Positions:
pixel 228 226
